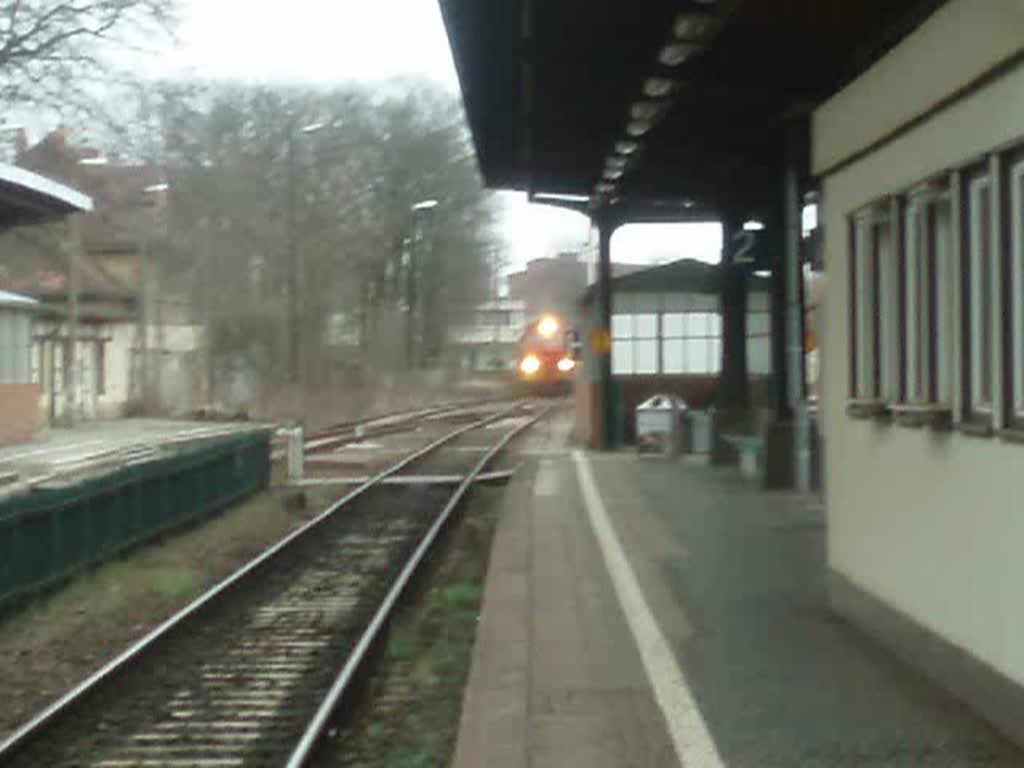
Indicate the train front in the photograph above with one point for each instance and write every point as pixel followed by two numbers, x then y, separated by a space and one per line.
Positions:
pixel 546 360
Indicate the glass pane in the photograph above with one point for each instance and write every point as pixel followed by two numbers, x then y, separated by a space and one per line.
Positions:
pixel 758 324
pixel 622 356
pixel 672 325
pixel 645 356
pixel 714 324
pixel 698 324
pixel 715 356
pixel 943 294
pixel 980 340
pixel 645 326
pixel 1017 337
pixel 672 356
pixel 696 356
pixel 622 326
pixel 863 278
pixel 911 335
pixel 880 344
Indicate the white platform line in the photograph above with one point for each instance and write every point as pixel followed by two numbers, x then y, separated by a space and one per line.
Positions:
pixel 693 743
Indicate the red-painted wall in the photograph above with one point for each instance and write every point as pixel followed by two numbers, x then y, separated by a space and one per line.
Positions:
pixel 20 414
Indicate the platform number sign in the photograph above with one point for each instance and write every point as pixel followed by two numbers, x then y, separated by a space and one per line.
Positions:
pixel 744 242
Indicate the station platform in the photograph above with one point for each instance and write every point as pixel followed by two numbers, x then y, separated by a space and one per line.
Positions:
pixel 66 451
pixel 643 612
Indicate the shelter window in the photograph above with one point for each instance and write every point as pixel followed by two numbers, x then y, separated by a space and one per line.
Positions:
pixel 1016 339
pixel 635 343
pixel 926 299
pixel 759 335
pixel 978 300
pixel 691 342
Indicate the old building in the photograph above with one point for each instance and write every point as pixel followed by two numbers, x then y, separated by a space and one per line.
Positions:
pixel 486 337
pixel 140 346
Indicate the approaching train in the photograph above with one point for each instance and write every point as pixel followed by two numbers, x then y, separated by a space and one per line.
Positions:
pixel 547 355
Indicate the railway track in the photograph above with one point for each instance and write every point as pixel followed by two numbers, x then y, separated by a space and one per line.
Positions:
pixel 346 432
pixel 251 672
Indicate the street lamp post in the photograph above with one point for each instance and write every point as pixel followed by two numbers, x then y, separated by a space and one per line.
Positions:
pixel 414 287
pixel 150 384
pixel 296 362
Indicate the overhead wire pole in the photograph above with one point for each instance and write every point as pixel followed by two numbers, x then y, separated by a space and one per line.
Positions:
pixel 71 373
pixel 414 287
pixel 293 270
pixel 296 359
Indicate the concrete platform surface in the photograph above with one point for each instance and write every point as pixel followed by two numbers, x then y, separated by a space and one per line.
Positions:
pixel 93 440
pixel 672 614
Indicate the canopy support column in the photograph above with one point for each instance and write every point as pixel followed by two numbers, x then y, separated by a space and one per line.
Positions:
pixel 602 339
pixel 732 404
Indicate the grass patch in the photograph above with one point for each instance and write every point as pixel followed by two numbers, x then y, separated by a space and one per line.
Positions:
pixel 464 595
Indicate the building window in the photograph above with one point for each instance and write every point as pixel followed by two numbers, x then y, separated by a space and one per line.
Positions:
pixel 691 342
pixel 635 344
pixel 101 367
pixel 978 298
pixel 925 301
pixel 1016 340
pixel 864 363
pixel 1016 336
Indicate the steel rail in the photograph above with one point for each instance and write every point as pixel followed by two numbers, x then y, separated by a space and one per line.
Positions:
pixel 21 737
pixel 304 749
pixel 422 410
pixel 349 430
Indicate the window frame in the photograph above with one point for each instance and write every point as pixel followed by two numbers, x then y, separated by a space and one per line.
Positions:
pixel 632 338
pixel 925 324
pixel 866 396
pixel 711 336
pixel 1014 346
pixel 978 415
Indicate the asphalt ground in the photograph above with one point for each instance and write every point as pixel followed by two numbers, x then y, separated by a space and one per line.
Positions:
pixel 733 581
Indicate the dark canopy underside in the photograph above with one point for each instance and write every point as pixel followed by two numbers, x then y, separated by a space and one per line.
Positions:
pixel 548 86
pixel 28 198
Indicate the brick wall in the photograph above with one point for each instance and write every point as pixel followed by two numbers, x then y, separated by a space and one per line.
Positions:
pixel 20 414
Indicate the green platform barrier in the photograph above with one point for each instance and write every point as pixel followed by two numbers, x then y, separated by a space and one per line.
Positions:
pixel 48 533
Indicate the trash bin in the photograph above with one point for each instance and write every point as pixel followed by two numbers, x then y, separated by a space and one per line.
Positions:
pixel 700 431
pixel 659 425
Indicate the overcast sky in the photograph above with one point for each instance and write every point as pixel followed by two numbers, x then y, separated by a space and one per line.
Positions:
pixel 331 41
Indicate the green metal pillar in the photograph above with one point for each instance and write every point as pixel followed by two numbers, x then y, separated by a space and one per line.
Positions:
pixel 602 340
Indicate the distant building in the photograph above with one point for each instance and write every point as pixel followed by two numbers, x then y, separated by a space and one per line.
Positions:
pixel 486 337
pixel 126 230
pixel 19 419
pixel 550 284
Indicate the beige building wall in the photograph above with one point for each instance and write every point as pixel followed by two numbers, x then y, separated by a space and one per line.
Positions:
pixel 932 523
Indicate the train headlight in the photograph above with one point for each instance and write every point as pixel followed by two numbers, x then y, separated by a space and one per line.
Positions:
pixel 547 327
pixel 566 364
pixel 529 365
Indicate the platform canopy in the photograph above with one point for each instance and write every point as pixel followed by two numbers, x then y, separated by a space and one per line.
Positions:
pixel 656 102
pixel 28 198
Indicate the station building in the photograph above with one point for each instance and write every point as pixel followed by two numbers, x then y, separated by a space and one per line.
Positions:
pixel 903 118
pixel 26 198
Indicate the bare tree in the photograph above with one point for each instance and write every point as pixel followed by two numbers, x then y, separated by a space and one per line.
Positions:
pixel 50 48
